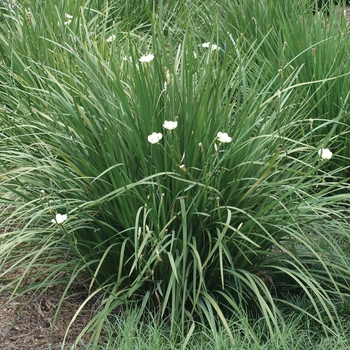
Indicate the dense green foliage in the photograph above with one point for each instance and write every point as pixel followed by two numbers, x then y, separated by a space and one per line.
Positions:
pixel 294 335
pixel 195 227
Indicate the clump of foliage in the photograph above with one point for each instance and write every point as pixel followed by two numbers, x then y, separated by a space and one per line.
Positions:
pixel 175 170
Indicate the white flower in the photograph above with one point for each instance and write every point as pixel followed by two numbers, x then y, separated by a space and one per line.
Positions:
pixel 325 153
pixel 146 59
pixel 111 38
pixel 155 137
pixel 60 219
pixel 223 137
pixel 69 17
pixel 169 125
pixel 212 46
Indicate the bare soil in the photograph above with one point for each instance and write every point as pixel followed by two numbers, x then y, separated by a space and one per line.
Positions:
pixel 346 13
pixel 28 322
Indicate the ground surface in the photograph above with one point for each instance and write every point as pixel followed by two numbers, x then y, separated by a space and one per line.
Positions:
pixel 32 330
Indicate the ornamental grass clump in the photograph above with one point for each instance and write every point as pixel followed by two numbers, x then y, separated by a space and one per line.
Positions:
pixel 186 181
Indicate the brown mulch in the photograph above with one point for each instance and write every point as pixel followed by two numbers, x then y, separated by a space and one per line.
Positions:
pixel 346 13
pixel 27 323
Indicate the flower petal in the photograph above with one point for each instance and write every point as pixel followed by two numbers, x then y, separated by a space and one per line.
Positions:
pixel 146 59
pixel 223 137
pixel 111 38
pixel 169 125
pixel 60 219
pixel 325 153
pixel 212 46
pixel 154 137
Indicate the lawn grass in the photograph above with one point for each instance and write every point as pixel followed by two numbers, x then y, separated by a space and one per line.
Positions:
pixel 127 332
